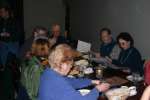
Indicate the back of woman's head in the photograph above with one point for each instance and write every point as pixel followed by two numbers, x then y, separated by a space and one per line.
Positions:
pixel 125 36
pixel 40 47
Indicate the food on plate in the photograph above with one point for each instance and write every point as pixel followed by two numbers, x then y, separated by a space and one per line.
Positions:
pixel 76 54
pixel 85 56
pixel 118 94
pixel 74 72
pixel 88 71
pixel 82 63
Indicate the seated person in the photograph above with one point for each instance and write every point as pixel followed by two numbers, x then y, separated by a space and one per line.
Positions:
pixel 147 72
pixel 54 85
pixel 33 68
pixel 146 94
pixel 108 47
pixel 129 57
pixel 56 37
pixel 37 31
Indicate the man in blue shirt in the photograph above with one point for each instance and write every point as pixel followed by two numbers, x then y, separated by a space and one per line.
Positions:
pixel 108 48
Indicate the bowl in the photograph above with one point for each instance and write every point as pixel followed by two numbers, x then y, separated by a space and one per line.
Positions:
pixel 84 92
pixel 118 94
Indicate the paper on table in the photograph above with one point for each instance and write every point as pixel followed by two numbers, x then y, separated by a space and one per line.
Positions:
pixel 83 46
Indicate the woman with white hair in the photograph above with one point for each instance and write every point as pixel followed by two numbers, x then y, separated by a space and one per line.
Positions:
pixel 54 85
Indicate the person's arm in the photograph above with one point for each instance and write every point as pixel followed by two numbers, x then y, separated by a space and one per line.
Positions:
pixel 79 82
pixel 113 61
pixel 116 62
pixel 136 63
pixel 146 94
pixel 60 89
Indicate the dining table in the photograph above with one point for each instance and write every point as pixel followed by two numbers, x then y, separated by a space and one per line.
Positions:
pixel 110 73
pixel 119 79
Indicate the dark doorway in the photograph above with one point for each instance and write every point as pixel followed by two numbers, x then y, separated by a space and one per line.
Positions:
pixel 17 9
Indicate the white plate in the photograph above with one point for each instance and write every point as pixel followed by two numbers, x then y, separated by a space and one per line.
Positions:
pixel 70 76
pixel 88 71
pixel 84 92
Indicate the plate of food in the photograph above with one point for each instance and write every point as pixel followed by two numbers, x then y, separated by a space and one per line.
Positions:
pixel 81 63
pixel 118 93
pixel 88 71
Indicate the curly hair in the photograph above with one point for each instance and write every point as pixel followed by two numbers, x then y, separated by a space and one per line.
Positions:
pixel 61 53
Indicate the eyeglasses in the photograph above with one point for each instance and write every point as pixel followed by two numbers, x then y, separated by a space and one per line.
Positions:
pixel 122 43
pixel 66 59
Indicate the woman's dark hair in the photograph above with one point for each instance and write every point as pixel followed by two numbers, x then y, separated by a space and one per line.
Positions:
pixel 105 29
pixel 41 41
pixel 125 36
pixel 39 45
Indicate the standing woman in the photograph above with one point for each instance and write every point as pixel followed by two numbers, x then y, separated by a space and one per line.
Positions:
pixel 54 85
pixel 129 56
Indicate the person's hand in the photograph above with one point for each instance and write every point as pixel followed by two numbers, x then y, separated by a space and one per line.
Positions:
pixel 103 87
pixel 7 34
pixel 146 62
pixel 96 82
pixel 108 59
pixel 28 55
pixel 126 70
pixel 97 55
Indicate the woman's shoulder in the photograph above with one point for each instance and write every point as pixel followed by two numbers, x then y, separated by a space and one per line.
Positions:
pixel 51 77
pixel 135 51
pixel 48 72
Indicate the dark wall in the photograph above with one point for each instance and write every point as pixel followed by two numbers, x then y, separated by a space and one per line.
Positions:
pixel 43 13
pixel 89 16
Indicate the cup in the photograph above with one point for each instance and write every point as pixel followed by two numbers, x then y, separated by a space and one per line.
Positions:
pixel 132 90
pixel 99 72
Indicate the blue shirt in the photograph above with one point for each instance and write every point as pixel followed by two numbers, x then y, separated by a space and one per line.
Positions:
pixel 53 86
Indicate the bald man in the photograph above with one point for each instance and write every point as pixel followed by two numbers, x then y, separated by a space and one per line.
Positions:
pixel 56 37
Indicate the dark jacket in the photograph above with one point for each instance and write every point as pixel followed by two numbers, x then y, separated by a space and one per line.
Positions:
pixel 11 26
pixel 60 40
pixel 105 49
pixel 130 58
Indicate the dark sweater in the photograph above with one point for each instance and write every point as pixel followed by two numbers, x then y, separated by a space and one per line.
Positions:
pixel 130 58
pixel 12 27
pixel 105 49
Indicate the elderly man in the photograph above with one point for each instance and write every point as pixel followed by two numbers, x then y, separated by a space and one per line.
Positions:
pixel 56 37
